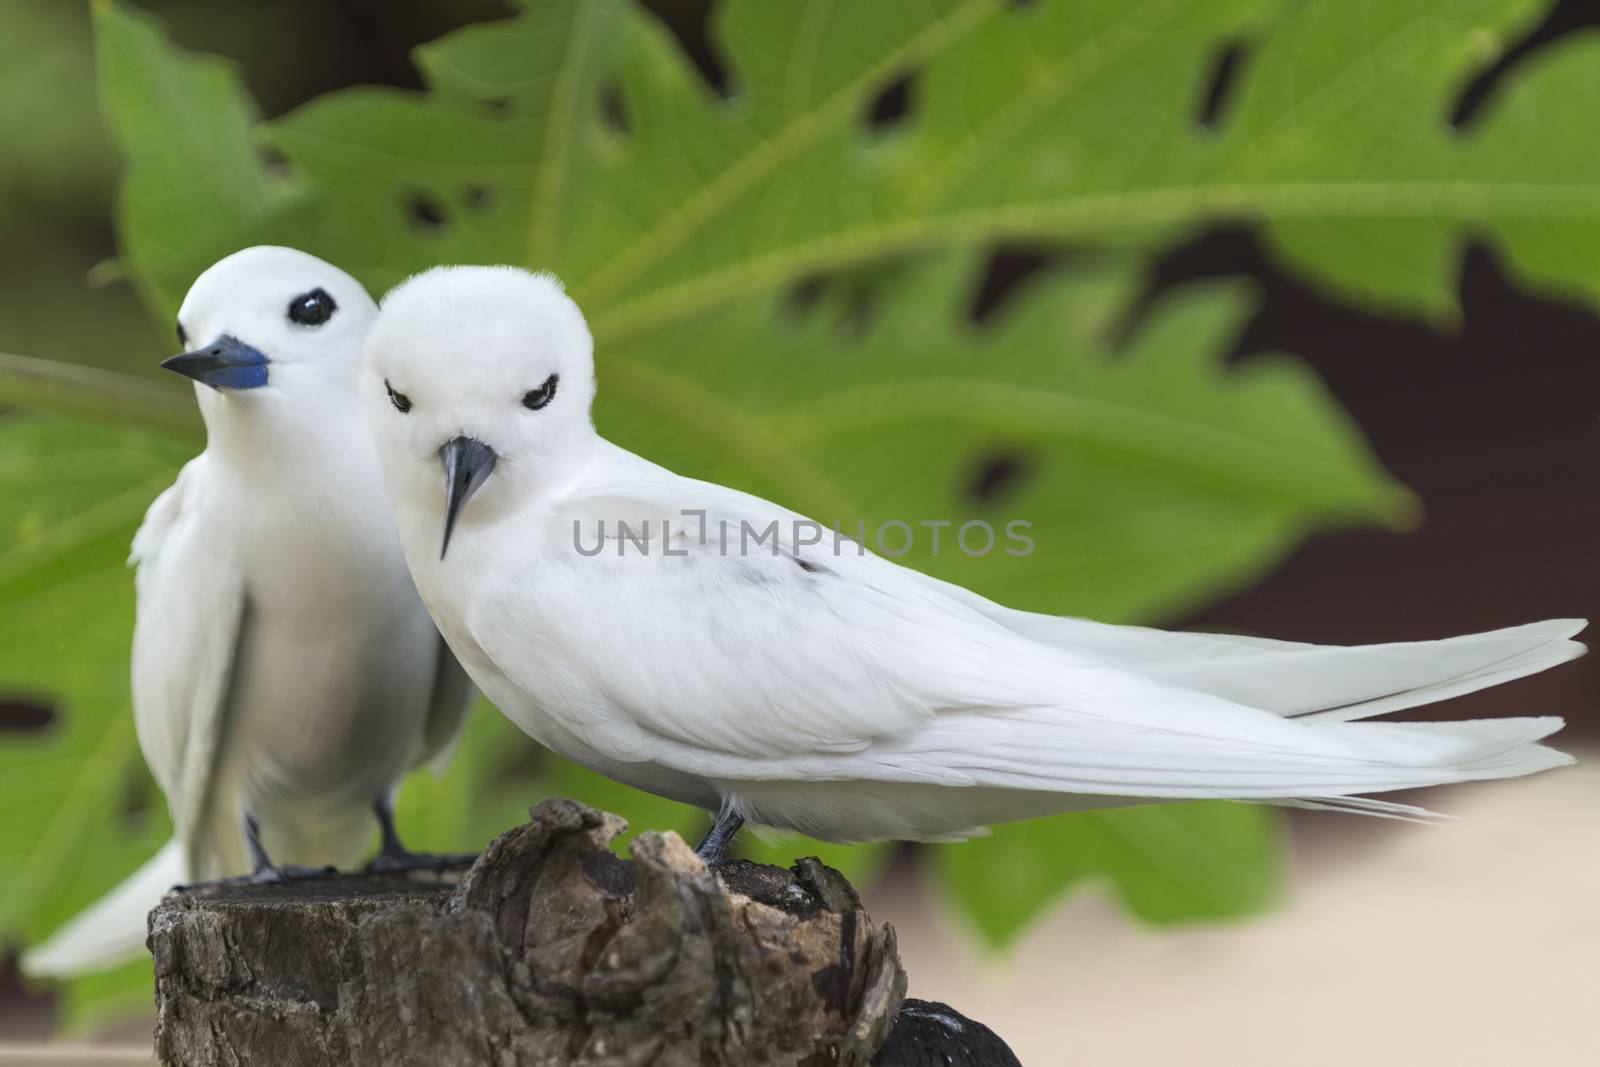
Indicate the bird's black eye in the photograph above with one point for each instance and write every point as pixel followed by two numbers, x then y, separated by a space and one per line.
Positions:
pixel 313 308
pixel 534 399
pixel 401 402
pixel 183 336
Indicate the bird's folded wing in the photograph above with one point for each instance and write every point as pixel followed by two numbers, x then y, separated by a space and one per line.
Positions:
pixel 189 627
pixel 760 655
pixel 451 699
pixel 758 669
pixel 744 663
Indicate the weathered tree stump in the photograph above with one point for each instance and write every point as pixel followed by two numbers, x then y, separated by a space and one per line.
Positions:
pixel 550 951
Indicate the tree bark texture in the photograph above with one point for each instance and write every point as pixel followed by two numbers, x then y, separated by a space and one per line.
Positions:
pixel 551 951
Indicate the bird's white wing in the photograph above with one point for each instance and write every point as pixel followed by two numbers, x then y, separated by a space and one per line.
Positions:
pixel 188 629
pixel 755 654
pixel 1291 678
pixel 750 665
pixel 451 699
pixel 759 654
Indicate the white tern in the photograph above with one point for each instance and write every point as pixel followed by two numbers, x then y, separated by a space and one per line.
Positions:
pixel 826 692
pixel 285 673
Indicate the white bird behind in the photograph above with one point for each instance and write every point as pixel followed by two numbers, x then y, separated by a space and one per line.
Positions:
pixel 284 669
pixel 836 694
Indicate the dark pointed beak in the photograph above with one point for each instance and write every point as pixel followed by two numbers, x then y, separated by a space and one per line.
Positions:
pixel 226 363
pixel 467 465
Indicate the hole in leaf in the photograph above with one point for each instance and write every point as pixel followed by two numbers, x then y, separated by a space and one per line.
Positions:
pixel 1224 73
pixel 1008 269
pixel 690 23
pixel 425 212
pixel 478 197
pixel 996 477
pixel 846 301
pixel 803 295
pixel 499 107
pixel 25 715
pixel 1563 19
pixel 613 111
pixel 861 307
pixel 890 107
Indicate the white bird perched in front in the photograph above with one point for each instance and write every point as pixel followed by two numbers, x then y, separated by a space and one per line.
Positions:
pixel 285 674
pixel 839 695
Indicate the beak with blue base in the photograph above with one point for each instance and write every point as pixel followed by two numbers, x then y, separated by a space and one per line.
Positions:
pixel 226 363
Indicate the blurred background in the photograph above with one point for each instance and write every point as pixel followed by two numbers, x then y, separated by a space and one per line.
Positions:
pixel 1391 944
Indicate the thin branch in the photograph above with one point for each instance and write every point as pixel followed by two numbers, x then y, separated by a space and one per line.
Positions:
pixel 66 388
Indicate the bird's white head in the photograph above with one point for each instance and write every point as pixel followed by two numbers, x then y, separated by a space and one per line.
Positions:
pixel 478 383
pixel 271 327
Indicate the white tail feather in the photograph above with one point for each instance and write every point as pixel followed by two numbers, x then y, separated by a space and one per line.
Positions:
pixel 1370 806
pixel 1335 682
pixel 110 931
pixel 1465 665
pixel 1328 765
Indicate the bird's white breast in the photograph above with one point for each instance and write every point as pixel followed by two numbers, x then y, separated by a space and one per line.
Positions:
pixel 335 664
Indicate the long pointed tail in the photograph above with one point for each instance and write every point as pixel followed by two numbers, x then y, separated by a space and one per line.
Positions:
pixel 1329 682
pixel 110 931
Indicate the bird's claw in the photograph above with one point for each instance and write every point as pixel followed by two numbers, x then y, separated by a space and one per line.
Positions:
pixel 284 875
pixel 266 875
pixel 713 857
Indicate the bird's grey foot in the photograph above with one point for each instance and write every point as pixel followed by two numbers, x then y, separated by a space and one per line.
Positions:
pixel 394 857
pixel 262 875
pixel 271 875
pixel 714 849
pixel 264 871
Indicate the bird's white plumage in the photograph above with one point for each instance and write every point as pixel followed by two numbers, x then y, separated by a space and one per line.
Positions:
pixel 191 610
pixel 840 694
pixel 283 665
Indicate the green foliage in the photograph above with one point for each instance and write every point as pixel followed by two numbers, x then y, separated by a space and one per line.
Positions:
pixel 81 811
pixel 780 291
pixel 57 171
pixel 46 162
pixel 1169 863
pixel 168 115
pixel 1151 474
pixel 1054 119
pixel 87 392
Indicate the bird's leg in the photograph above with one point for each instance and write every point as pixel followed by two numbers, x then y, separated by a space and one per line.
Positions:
pixel 394 856
pixel 264 871
pixel 714 848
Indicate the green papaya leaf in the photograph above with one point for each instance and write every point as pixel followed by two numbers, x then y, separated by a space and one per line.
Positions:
pixel 1149 473
pixel 1168 862
pixel 1063 120
pixel 194 179
pixel 82 811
